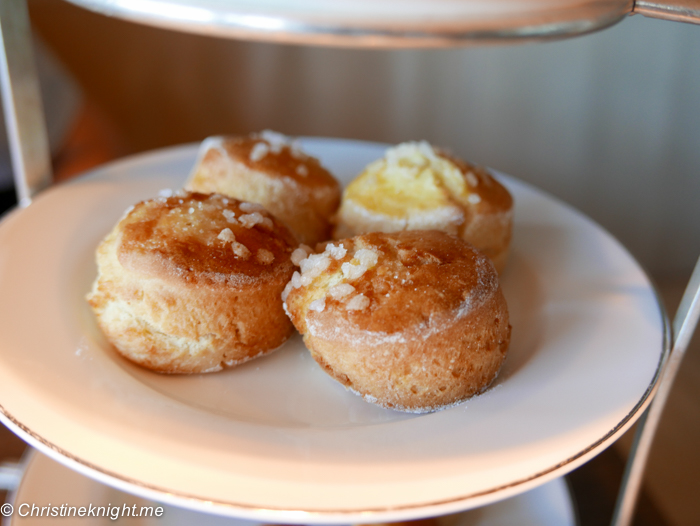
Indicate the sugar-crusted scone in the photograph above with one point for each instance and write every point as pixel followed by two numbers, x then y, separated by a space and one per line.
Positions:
pixel 415 186
pixel 270 169
pixel 413 320
pixel 191 283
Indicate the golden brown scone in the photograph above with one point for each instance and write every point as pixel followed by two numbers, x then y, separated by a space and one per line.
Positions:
pixel 412 320
pixel 271 170
pixel 191 283
pixel 417 187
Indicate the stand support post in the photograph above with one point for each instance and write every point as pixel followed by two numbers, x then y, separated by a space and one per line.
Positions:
pixel 21 97
pixel 684 323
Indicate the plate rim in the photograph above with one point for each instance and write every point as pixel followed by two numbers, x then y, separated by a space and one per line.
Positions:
pixel 232 508
pixel 343 29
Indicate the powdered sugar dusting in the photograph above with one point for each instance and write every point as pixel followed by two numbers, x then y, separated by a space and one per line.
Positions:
pixel 83 349
pixel 487 285
pixel 415 410
pixel 347 332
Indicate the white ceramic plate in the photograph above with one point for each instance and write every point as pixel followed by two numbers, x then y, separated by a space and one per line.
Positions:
pixel 278 440
pixel 47 484
pixel 371 23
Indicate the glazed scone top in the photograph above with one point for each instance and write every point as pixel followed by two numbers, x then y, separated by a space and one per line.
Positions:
pixel 271 153
pixel 393 285
pixel 203 238
pixel 416 186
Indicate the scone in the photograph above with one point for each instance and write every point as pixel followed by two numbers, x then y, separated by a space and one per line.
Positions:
pixel 417 187
pixel 413 320
pixel 191 283
pixel 271 170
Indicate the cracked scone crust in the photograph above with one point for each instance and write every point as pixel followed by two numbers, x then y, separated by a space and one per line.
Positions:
pixel 418 187
pixel 191 283
pixel 414 320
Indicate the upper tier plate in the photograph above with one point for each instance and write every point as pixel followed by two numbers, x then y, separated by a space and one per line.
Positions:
pixel 46 483
pixel 276 439
pixel 372 22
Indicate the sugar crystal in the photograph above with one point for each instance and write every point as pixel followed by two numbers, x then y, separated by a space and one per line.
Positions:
pixel 250 220
pixel 265 256
pixel 259 151
pixel 359 302
pixel 318 305
pixel 240 250
pixel 230 216
pixel 341 291
pixel 226 235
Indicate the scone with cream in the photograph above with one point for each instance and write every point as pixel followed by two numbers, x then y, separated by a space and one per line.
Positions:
pixel 417 187
pixel 190 283
pixel 270 169
pixel 413 320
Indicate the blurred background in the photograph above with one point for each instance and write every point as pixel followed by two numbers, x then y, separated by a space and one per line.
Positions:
pixel 609 123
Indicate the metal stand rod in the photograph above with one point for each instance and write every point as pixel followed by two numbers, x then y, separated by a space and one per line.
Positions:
pixel 684 324
pixel 676 10
pixel 10 475
pixel 21 97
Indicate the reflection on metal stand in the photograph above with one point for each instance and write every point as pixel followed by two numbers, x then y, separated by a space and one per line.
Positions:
pixel 24 115
pixel 10 475
pixel 676 10
pixel 684 324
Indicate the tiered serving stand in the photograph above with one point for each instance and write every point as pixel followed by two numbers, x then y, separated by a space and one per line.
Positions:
pixel 276 440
